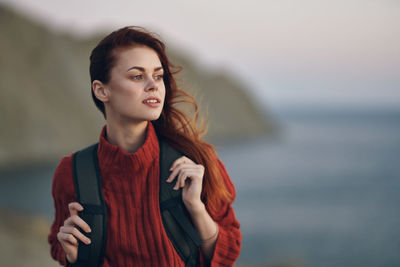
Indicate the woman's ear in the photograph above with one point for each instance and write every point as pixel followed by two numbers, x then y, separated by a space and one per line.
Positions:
pixel 100 90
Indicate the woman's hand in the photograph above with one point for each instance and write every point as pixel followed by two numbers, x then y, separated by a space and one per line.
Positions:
pixel 190 177
pixel 68 235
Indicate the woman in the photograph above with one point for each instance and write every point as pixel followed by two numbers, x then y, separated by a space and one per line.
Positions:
pixel 134 88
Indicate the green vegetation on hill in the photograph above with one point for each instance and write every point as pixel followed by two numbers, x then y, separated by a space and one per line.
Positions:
pixel 46 109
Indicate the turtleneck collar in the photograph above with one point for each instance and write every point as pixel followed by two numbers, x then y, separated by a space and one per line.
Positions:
pixel 113 156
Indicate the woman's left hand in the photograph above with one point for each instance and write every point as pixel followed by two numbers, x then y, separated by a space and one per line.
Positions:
pixel 190 177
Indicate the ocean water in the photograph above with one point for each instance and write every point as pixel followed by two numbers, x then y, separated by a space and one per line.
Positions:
pixel 325 192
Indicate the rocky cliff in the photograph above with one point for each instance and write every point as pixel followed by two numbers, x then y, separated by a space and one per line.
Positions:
pixel 45 105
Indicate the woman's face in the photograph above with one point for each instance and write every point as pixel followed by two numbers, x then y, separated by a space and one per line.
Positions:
pixel 136 89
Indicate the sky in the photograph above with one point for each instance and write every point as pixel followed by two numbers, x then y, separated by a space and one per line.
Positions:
pixel 310 53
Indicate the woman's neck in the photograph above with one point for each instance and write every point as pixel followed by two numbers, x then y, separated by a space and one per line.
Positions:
pixel 129 137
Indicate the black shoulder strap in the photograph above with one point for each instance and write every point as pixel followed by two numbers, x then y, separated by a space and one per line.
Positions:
pixel 89 193
pixel 174 215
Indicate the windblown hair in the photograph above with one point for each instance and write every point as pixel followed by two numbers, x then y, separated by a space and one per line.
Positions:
pixel 182 131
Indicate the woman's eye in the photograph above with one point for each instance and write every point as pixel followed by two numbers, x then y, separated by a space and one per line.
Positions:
pixel 159 76
pixel 136 77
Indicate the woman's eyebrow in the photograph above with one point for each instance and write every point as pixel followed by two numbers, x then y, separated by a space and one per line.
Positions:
pixel 142 69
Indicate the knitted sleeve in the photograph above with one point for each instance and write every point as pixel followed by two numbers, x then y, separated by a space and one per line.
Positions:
pixel 228 244
pixel 63 193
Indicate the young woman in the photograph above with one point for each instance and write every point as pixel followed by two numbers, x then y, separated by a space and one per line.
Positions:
pixel 132 84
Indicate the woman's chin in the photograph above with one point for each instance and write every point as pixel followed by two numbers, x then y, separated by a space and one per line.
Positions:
pixel 151 117
pixel 154 117
pixel 145 117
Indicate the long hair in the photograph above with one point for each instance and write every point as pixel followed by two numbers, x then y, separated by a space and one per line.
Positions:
pixel 182 131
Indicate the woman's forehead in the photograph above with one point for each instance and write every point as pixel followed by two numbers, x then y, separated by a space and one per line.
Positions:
pixel 140 56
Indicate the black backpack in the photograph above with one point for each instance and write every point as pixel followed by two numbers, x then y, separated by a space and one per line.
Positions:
pixel 87 180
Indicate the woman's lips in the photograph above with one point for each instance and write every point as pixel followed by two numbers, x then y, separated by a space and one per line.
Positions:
pixel 152 102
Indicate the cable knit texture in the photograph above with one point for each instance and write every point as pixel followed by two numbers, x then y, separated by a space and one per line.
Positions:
pixel 135 233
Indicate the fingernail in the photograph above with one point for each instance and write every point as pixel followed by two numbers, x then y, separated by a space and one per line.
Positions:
pixel 170 169
pixel 88 241
pixel 89 230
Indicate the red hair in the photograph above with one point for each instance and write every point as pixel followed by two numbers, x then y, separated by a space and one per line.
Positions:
pixel 182 131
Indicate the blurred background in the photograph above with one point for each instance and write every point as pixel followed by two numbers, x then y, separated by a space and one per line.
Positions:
pixel 303 101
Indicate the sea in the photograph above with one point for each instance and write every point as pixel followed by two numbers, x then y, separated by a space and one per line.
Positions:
pixel 324 191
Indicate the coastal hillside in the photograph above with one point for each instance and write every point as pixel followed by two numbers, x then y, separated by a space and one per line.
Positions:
pixel 46 109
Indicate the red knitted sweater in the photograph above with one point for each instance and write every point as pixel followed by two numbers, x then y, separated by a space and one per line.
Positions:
pixel 135 233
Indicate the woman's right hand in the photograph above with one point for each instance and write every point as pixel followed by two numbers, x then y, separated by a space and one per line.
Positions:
pixel 68 235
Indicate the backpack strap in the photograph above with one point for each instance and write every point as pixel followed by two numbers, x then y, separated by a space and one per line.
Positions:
pixel 174 214
pixel 89 193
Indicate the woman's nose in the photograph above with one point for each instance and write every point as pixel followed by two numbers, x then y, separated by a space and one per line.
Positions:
pixel 151 85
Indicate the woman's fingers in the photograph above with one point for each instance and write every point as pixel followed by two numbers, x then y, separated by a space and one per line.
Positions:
pixel 67 238
pixel 69 234
pixel 76 220
pixel 75 232
pixel 70 245
pixel 184 170
pixel 183 175
pixel 74 207
pixel 180 160
pixel 194 174
pixel 178 168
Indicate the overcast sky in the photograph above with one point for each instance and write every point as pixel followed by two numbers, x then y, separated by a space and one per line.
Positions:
pixel 331 53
